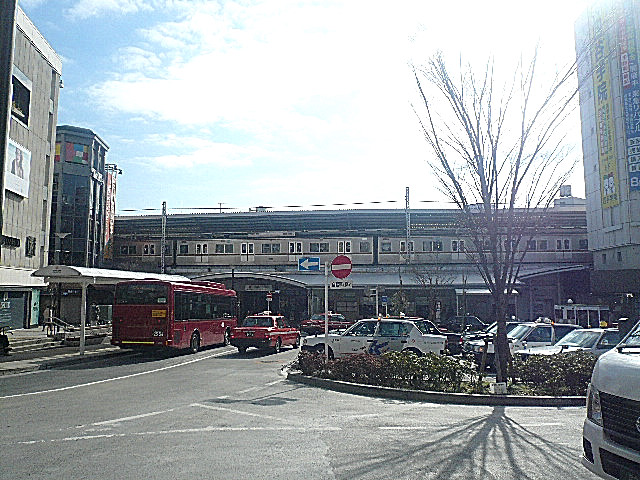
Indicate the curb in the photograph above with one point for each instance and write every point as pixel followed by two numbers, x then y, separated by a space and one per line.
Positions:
pixel 45 364
pixel 438 397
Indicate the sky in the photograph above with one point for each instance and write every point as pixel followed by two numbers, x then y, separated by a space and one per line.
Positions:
pixel 279 103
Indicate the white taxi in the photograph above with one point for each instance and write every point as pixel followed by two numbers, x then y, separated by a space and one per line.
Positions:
pixel 377 336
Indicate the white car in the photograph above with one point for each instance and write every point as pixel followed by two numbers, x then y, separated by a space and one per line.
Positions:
pixel 378 336
pixel 594 340
pixel 524 335
pixel 611 431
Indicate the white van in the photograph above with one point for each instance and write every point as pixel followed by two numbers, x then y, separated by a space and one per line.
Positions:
pixel 611 431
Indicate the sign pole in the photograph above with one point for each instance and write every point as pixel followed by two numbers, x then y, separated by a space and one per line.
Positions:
pixel 326 312
pixel 377 308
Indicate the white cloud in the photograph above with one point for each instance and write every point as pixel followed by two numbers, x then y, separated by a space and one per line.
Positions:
pixel 90 8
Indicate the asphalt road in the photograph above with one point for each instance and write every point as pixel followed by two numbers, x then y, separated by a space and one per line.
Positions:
pixel 221 415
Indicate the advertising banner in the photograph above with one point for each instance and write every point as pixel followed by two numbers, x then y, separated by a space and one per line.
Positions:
pixel 109 213
pixel 17 169
pixel 76 153
pixel 603 97
pixel 630 90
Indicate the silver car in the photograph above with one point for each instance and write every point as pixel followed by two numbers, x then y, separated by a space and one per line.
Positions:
pixel 595 340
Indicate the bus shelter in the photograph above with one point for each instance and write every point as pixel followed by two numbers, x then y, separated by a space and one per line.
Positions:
pixel 82 277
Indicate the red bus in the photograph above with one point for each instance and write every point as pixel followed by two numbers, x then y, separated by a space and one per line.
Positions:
pixel 157 313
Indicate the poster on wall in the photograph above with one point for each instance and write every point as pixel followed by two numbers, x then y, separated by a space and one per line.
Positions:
pixel 630 80
pixel 603 98
pixel 76 153
pixel 17 169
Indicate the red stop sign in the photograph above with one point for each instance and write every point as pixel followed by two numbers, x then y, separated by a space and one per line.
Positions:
pixel 341 266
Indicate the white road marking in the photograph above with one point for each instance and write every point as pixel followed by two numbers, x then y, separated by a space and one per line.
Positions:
pixel 186 430
pixel 530 425
pixel 123 377
pixel 224 409
pixel 125 419
pixel 258 387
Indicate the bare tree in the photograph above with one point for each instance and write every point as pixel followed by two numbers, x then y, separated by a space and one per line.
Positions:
pixel 500 155
pixel 432 277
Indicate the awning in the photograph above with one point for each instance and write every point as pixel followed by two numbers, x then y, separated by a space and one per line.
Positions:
pixel 92 276
pixel 478 291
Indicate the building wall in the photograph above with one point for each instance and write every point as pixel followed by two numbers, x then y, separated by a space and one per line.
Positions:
pixel 26 209
pixel 608 77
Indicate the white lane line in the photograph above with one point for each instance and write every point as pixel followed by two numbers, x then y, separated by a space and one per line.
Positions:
pixel 125 419
pixel 223 409
pixel 259 387
pixel 123 377
pixel 405 428
pixel 530 425
pixel 187 431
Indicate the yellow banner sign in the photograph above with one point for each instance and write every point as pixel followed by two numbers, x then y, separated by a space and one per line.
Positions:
pixel 603 97
pixel 159 313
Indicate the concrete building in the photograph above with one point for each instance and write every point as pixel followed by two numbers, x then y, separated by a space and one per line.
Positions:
pixel 28 171
pixel 607 42
pixel 82 194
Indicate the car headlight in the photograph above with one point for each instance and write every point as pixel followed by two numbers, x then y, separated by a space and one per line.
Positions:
pixel 594 409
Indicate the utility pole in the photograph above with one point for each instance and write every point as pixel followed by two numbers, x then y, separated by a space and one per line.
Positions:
pixel 407 214
pixel 7 37
pixel 163 239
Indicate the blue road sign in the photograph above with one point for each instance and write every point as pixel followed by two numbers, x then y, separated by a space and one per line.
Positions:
pixel 309 264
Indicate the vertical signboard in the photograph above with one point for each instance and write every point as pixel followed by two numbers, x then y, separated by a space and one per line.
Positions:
pixel 630 90
pixel 17 169
pixel 603 97
pixel 109 213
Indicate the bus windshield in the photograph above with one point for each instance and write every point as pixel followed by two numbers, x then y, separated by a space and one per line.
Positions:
pixel 141 294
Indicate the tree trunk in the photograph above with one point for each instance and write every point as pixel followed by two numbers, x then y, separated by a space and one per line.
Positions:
pixel 502 352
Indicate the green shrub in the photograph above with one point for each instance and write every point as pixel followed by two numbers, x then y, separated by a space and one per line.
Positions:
pixel 393 369
pixel 560 374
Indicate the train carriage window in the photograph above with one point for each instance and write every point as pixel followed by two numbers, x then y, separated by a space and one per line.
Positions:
pixel 385 247
pixel 275 248
pixel 365 247
pixel 266 248
pixel 184 249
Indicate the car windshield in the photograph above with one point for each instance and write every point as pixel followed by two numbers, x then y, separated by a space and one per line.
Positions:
pixel 257 322
pixel 579 338
pixel 317 316
pixel 520 331
pixel 633 339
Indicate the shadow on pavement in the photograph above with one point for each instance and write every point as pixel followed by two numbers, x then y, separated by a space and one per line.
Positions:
pixel 463 450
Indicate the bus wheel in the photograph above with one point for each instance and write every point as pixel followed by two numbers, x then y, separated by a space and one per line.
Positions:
pixel 278 347
pixel 194 345
pixel 227 337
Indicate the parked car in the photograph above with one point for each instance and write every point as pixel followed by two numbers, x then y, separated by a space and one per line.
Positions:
pixel 489 332
pixel 611 430
pixel 378 336
pixel 462 323
pixel 454 340
pixel 595 340
pixel 264 330
pixel 315 324
pixel 524 335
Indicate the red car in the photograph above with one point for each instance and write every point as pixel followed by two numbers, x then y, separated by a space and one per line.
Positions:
pixel 264 330
pixel 315 324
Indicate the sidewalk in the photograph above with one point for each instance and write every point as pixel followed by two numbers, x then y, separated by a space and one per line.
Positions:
pixel 19 362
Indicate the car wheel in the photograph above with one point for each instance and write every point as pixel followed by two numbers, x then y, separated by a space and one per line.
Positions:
pixel 278 346
pixel 415 351
pixel 242 349
pixel 227 337
pixel 194 344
